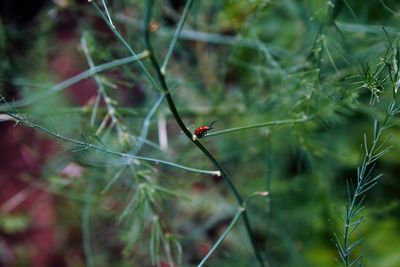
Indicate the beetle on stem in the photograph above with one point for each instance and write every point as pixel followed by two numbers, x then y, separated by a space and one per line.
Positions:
pixel 202 131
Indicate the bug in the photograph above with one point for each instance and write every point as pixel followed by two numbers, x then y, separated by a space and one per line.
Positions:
pixel 202 130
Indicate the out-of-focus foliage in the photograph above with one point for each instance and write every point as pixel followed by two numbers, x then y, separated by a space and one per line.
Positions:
pixel 13 223
pixel 238 63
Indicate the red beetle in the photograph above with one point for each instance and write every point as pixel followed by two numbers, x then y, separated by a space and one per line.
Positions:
pixel 202 130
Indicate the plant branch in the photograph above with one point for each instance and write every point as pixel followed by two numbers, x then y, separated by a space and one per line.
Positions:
pixel 369 154
pixel 124 42
pixel 185 130
pixel 146 124
pixel 260 125
pixel 85 145
pixel 176 36
pixel 86 228
pixel 107 13
pixel 222 237
pixel 75 79
pixel 102 91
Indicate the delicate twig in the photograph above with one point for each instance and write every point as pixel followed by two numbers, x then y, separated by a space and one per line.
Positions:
pixel 146 124
pixel 107 13
pixel 86 145
pixel 110 108
pixel 259 125
pixel 366 179
pixel 114 179
pixel 75 79
pixel 176 36
pixel 95 108
pixel 185 130
pixel 208 37
pixel 86 222
pixel 387 7
pixel 222 237
pixel 125 43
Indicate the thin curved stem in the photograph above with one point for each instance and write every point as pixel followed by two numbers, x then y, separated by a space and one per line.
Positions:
pixel 260 125
pixel 146 124
pixel 176 35
pixel 86 229
pixel 185 130
pixel 75 79
pixel 222 237
pixel 107 13
pixel 83 145
pixel 124 42
pixel 209 37
pixel 102 91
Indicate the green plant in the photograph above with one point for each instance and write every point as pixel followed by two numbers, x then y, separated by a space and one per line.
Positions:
pixel 276 76
pixel 386 74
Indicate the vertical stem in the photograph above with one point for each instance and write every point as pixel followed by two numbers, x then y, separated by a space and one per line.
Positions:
pixel 176 35
pixel 362 180
pixel 185 130
pixel 87 248
pixel 124 42
pixel 222 237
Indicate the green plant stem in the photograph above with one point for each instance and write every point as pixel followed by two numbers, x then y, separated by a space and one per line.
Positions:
pixel 208 37
pixel 365 181
pixel 85 145
pixel 107 13
pixel 146 125
pixel 86 221
pixel 185 130
pixel 125 43
pixel 260 125
pixel 222 237
pixel 75 79
pixel 176 35
pixel 102 91
pixel 114 179
pixel 128 112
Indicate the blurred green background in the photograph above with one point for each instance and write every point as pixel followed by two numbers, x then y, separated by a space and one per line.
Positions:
pixel 236 62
